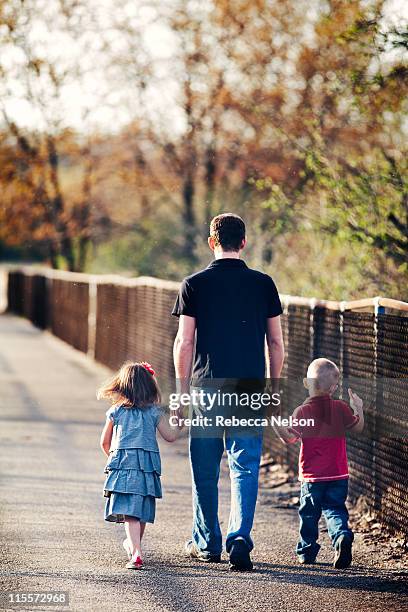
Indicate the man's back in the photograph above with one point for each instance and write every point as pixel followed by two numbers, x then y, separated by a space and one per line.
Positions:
pixel 228 309
pixel 231 304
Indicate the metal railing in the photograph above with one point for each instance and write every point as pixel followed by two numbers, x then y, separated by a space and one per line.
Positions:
pixel 112 318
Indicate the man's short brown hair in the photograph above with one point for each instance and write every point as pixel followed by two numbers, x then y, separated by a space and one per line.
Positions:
pixel 228 231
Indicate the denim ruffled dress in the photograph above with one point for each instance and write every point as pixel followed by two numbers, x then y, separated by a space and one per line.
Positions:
pixel 133 468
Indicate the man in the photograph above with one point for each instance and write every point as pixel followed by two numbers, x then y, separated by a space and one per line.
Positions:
pixel 225 312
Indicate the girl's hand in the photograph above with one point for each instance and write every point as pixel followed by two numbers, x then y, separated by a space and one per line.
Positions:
pixel 167 429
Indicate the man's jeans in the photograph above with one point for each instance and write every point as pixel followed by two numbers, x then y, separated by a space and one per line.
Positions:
pixel 244 455
pixel 316 498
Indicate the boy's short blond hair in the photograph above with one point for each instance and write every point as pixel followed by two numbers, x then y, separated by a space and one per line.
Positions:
pixel 323 373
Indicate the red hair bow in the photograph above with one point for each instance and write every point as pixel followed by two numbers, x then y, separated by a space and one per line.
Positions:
pixel 148 367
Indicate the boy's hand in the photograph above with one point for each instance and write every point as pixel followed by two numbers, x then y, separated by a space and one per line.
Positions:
pixel 356 404
pixel 355 401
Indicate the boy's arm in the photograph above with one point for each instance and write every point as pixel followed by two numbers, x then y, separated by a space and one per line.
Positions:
pixel 288 435
pixel 106 436
pixel 356 404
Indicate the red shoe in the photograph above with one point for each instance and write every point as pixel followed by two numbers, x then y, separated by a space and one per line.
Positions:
pixel 137 564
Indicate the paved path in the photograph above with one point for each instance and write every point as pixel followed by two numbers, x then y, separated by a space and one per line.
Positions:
pixel 54 537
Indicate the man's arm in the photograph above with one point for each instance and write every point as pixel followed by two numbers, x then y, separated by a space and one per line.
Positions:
pixel 183 351
pixel 276 348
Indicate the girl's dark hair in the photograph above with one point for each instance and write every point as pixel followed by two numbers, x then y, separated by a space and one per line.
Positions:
pixel 132 386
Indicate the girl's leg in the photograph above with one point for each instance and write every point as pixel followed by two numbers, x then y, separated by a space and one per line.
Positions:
pixel 126 543
pixel 133 533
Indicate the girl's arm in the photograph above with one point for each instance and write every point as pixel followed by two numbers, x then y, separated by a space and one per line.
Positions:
pixel 168 429
pixel 106 436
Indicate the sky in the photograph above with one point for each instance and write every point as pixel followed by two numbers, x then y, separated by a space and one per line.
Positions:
pixel 111 105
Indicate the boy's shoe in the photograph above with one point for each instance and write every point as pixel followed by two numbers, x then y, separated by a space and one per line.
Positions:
pixel 135 565
pixel 195 553
pixel 240 560
pixel 303 560
pixel 342 555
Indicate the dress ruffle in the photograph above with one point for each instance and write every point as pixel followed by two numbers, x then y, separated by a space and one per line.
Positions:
pixel 134 458
pixel 133 481
pixel 132 484
pixel 120 505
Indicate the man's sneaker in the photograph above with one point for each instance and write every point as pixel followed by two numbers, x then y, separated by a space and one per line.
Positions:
pixel 342 555
pixel 195 553
pixel 303 560
pixel 240 560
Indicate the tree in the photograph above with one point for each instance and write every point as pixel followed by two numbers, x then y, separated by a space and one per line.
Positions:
pixel 362 174
pixel 36 207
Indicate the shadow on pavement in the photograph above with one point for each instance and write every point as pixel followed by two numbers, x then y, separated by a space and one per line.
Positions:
pixel 325 576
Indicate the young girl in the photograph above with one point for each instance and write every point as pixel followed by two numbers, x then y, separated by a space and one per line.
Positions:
pixel 129 441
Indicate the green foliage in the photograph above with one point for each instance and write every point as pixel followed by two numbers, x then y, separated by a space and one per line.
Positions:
pixel 315 264
pixel 294 119
pixel 365 201
pixel 151 249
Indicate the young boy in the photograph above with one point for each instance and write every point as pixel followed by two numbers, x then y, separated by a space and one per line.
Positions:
pixel 323 468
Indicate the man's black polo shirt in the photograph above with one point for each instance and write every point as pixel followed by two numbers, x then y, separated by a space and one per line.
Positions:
pixel 231 304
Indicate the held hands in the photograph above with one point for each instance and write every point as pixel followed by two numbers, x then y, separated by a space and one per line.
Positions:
pixel 273 387
pixel 180 413
pixel 177 417
pixel 273 410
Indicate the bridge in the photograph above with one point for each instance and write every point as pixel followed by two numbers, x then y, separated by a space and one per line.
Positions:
pixel 59 338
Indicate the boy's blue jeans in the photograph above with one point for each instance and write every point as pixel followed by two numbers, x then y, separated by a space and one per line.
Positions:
pixel 316 498
pixel 244 454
